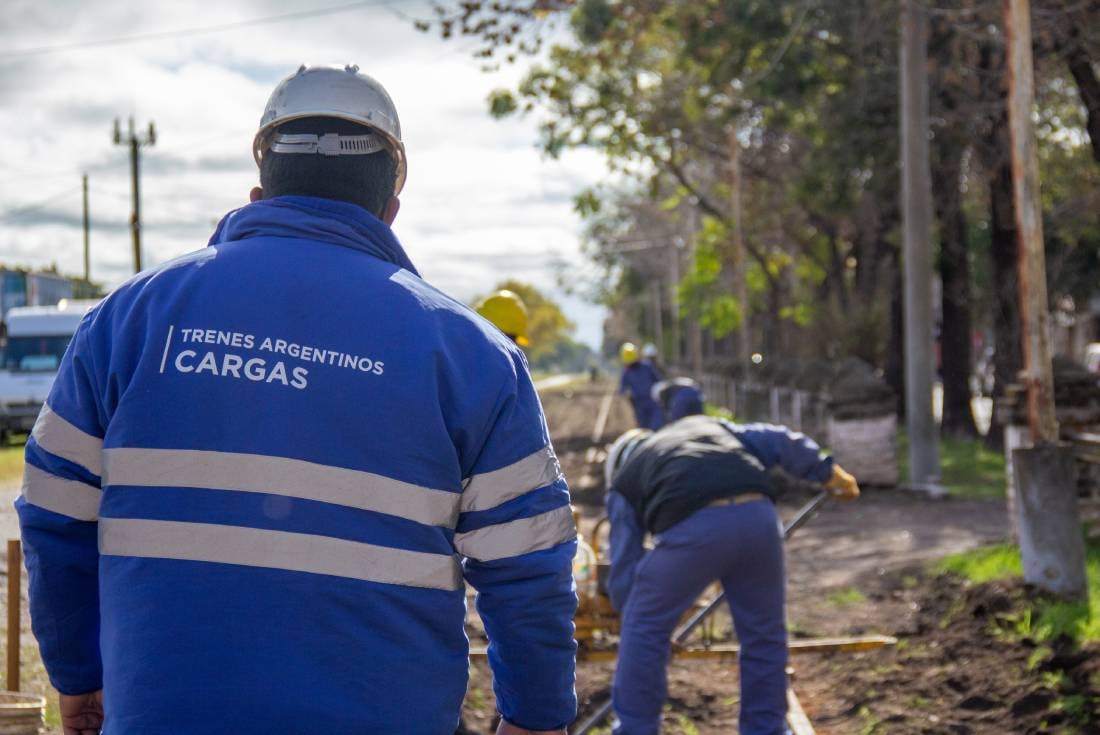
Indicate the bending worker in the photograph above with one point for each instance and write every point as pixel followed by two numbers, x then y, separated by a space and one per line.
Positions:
pixel 637 380
pixel 506 310
pixel 701 487
pixel 678 398
pixel 294 452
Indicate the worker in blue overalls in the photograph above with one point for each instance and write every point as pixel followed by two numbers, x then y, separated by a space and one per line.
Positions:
pixel 637 380
pixel 700 486
pixel 677 398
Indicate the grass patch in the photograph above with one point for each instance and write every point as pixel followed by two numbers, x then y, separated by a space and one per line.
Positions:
pixel 846 597
pixel 985 565
pixel 968 468
pixel 1047 618
pixel 11 463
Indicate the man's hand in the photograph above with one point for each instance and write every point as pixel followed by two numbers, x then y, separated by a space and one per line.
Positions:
pixel 507 728
pixel 842 485
pixel 82 714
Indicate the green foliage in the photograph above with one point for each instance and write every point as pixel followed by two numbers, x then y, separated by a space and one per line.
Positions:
pixel 721 412
pixel 985 565
pixel 704 297
pixel 808 90
pixel 845 597
pixel 567 356
pixel 502 103
pixel 1046 618
pixel 968 468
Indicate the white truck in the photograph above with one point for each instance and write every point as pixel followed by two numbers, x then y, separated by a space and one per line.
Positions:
pixel 37 337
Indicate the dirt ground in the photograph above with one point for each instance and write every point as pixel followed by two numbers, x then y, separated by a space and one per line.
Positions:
pixel 859 568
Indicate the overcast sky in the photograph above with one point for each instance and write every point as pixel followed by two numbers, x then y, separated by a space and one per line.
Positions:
pixel 481 203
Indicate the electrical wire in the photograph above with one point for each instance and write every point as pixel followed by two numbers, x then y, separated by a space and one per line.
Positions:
pixel 185 32
pixel 35 206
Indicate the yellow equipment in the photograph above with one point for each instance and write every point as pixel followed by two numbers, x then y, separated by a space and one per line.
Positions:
pixel 628 353
pixel 506 310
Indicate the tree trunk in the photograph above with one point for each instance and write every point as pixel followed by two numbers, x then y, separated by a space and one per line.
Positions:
pixel 1008 356
pixel 955 351
pixel 1088 87
pixel 895 353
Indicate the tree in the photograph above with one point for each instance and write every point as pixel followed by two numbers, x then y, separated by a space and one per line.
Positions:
pixel 807 88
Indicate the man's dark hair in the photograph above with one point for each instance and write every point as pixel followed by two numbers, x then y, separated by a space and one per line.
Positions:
pixel 364 180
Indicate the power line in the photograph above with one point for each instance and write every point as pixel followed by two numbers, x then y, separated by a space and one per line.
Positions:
pixel 184 32
pixel 34 207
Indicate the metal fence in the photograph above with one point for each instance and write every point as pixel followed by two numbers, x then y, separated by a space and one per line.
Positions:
pixel 801 410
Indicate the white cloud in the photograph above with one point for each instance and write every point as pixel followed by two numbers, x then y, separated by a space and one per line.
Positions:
pixel 481 204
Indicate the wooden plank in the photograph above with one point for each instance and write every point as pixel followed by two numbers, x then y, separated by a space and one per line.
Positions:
pixel 601 417
pixel 730 650
pixel 796 716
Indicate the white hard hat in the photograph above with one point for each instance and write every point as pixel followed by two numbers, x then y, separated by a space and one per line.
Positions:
pixel 342 93
pixel 620 452
pixel 650 350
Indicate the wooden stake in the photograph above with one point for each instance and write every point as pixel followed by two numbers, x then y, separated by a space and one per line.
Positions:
pixel 15 604
pixel 796 716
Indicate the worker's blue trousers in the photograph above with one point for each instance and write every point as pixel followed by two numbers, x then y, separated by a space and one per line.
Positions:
pixel 742 546
pixel 647 413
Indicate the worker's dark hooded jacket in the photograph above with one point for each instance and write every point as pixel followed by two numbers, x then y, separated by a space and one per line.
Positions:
pixel 685 466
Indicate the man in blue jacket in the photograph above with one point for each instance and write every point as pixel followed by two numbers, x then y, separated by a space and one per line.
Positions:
pixel 678 398
pixel 701 487
pixel 267 468
pixel 637 380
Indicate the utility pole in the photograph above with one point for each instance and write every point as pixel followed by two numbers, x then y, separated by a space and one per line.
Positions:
pixel 695 331
pixel 924 461
pixel 135 141
pixel 87 233
pixel 740 283
pixel 674 300
pixel 658 316
pixel 1051 546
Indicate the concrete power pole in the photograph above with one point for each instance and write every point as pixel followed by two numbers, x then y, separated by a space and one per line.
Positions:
pixel 1051 545
pixel 135 141
pixel 87 233
pixel 924 462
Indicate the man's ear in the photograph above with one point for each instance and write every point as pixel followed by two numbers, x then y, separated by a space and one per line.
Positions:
pixel 389 212
pixel 256 194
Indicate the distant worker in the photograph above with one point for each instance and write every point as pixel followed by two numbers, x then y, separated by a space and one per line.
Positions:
pixel 651 355
pixel 637 380
pixel 506 310
pixel 701 486
pixel 678 397
pixel 267 468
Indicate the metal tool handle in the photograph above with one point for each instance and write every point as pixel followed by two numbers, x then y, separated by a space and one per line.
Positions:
pixel 684 632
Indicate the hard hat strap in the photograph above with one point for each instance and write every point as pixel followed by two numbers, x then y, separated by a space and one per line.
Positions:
pixel 329 144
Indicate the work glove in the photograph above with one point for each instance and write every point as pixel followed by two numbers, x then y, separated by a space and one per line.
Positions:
pixel 842 485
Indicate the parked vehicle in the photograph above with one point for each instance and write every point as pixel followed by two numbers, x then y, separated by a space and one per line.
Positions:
pixel 28 288
pixel 37 337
